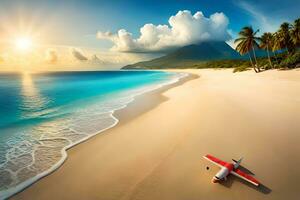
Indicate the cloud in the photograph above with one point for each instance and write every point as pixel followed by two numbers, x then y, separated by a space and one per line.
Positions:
pixel 183 29
pixel 78 54
pixel 51 56
pixel 95 59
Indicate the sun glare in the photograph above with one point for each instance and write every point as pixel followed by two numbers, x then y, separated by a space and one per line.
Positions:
pixel 23 43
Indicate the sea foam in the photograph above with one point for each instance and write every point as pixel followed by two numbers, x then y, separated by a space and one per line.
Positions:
pixel 36 152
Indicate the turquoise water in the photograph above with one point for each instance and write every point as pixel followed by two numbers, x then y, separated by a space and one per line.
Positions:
pixel 43 114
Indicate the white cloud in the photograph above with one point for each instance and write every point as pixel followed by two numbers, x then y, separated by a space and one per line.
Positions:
pixel 78 54
pixel 183 29
pixel 51 56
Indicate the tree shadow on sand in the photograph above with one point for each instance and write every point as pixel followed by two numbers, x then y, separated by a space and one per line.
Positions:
pixel 231 178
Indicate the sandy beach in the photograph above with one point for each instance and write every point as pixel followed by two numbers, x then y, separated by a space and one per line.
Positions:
pixel 156 150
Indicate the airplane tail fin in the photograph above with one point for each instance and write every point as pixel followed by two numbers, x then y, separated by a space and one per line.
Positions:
pixel 237 162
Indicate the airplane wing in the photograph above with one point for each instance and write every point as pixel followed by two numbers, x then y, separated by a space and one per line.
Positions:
pixel 239 173
pixel 215 160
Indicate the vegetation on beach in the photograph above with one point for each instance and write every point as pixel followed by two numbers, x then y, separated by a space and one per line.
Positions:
pixel 284 44
pixel 281 61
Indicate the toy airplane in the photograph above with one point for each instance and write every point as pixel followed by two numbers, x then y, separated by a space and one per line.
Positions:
pixel 229 168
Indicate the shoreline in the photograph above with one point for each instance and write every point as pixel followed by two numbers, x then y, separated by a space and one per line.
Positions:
pixel 154 98
pixel 156 153
pixel 117 115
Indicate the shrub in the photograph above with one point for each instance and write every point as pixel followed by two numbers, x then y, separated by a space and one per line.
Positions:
pixel 291 61
pixel 240 69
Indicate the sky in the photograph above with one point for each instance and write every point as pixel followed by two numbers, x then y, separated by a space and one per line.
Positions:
pixel 94 35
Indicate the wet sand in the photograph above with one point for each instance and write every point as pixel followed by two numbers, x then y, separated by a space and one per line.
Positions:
pixel 156 150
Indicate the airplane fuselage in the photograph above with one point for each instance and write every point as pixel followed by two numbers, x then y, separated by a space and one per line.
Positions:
pixel 223 172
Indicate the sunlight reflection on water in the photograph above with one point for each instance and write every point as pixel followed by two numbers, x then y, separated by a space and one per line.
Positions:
pixel 33 102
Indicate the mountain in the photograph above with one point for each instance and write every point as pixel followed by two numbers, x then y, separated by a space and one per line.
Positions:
pixel 187 55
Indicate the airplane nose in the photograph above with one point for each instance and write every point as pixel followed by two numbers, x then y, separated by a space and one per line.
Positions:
pixel 214 180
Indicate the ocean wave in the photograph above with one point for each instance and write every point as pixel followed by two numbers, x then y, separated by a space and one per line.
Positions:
pixel 36 153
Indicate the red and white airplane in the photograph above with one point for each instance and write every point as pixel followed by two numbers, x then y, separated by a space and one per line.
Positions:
pixel 229 168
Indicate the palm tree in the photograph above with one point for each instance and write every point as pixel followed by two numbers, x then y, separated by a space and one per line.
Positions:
pixel 247 42
pixel 283 37
pixel 295 32
pixel 275 45
pixel 277 42
pixel 266 41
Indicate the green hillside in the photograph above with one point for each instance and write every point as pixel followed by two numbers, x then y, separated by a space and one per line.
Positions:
pixel 190 55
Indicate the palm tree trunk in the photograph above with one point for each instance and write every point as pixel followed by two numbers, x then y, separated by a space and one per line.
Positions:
pixel 256 64
pixel 274 53
pixel 269 56
pixel 287 49
pixel 252 62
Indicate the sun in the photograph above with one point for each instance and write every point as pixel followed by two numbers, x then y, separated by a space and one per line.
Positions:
pixel 23 43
